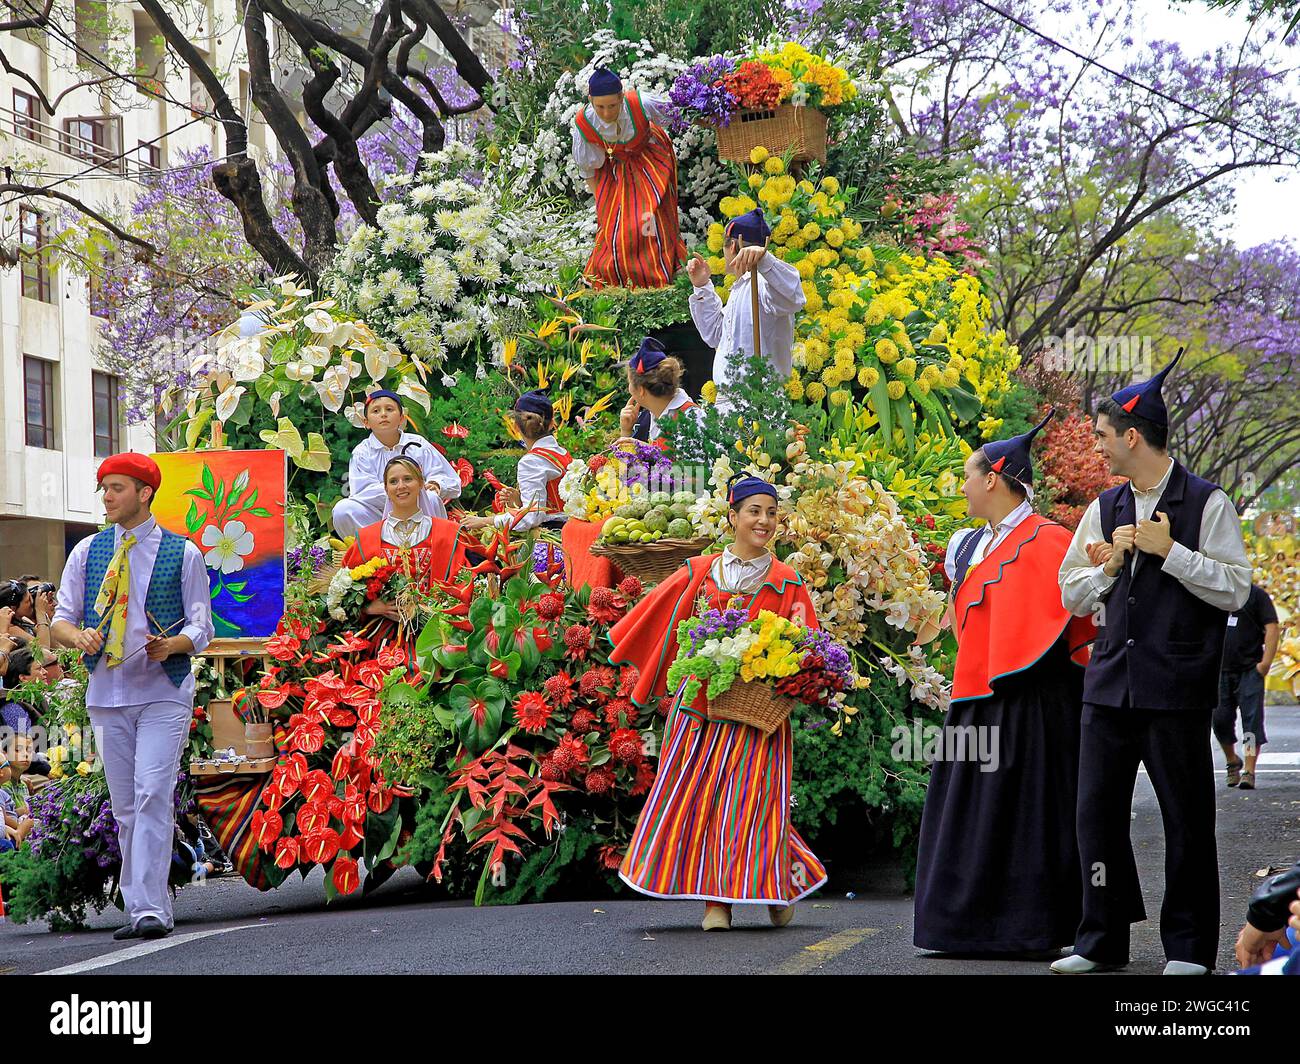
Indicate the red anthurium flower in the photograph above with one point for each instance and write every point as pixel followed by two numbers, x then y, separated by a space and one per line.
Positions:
pixel 499 668
pixel 274 698
pixel 364 737
pixel 328 686
pixel 283 647
pixel 316 785
pixel 296 768
pixel 335 805
pixel 350 836
pixel 305 735
pixel 342 763
pixel 313 817
pixel 300 630
pixel 356 695
pixel 345 876
pixel 286 853
pixel 321 846
pixel 455 431
pixel 371 673
pixel 464 470
pixel 272 798
pixel 391 656
pixel 266 829
pixel 379 798
pixel 455 648
pixel 340 717
pixel 368 714
pixel 542 637
pixel 354 806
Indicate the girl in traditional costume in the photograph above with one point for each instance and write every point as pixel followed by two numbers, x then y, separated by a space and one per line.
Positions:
pixel 365 502
pixel 428 548
pixel 627 159
pixel 654 384
pixel 716 825
pixel 540 470
pixel 997 870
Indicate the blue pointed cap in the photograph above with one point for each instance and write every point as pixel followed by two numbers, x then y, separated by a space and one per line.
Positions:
pixel 1144 399
pixel 535 402
pixel 604 82
pixel 1011 457
pixel 751 227
pixel 648 355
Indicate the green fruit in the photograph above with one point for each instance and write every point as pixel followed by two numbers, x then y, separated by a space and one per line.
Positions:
pixel 660 498
pixel 684 497
pixel 680 529
pixel 656 521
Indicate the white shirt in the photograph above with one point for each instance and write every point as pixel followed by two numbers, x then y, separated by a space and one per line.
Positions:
pixel 139 681
pixel 406 531
pixel 1218 573
pixel 987 542
pixel 730 328
pixel 366 473
pixel 746 576
pixel 591 157
pixel 535 472
pixel 677 402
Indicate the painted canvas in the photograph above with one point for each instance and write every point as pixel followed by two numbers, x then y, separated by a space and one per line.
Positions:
pixel 230 504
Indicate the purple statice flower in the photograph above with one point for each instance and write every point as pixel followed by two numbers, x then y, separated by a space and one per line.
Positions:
pixel 314 557
pixel 544 554
pixel 836 657
pixel 716 624
pixel 698 92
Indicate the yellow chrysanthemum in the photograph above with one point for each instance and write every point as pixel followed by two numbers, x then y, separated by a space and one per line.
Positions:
pixel 774 165
pixel 816 391
pixel 758 155
pixel 922 386
pixel 886 351
pixel 896 389
pixel 811 231
pixel 830 185
pixel 715 242
pixel 906 367
pixel 835 237
pixel 839 397
pixel 756 181
pixel 868 376
pixel 950 377
pixel 709 392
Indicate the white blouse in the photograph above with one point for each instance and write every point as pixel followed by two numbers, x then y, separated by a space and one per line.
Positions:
pixel 591 157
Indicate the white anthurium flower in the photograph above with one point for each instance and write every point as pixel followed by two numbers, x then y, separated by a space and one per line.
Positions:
pixel 319 321
pixel 245 359
pixel 353 368
pixel 300 371
pixel 227 547
pixel 394 355
pixel 342 334
pixel 356 415
pixel 332 388
pixel 274 403
pixel 376 363
pixel 228 401
pixel 416 391
pixel 315 355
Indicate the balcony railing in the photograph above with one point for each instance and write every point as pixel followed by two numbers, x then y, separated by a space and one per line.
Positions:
pixel 103 148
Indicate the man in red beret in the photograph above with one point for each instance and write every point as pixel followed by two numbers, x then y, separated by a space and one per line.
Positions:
pixel 134 600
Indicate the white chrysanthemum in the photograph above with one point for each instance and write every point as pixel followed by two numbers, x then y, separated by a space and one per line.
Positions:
pixel 406 296
pixel 439 282
pixel 421 244
pixel 390 214
pixel 367 297
pixel 423 195
pixel 459 333
pixel 452 191
pixel 464 261
pixel 389 280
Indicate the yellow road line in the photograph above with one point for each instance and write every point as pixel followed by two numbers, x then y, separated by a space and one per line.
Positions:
pixel 813 957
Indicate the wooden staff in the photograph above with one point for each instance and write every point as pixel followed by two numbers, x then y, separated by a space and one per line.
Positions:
pixel 753 304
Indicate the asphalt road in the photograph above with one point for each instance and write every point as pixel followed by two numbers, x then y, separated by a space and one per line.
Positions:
pixel 228 928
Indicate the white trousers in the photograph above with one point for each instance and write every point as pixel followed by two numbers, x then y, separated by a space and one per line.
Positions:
pixel 350 516
pixel 141 747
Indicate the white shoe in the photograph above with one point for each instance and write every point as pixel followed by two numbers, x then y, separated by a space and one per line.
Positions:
pixel 1185 968
pixel 1076 965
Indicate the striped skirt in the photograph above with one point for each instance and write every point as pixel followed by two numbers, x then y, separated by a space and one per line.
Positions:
pixel 716 825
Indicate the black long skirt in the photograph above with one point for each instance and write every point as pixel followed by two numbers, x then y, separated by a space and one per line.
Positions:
pixel 998 867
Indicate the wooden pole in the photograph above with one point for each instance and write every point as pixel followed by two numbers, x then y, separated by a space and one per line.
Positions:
pixel 753 305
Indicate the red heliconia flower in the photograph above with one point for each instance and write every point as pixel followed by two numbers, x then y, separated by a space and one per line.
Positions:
pixel 596 678
pixel 550 606
pixel 604 606
pixel 559 688
pixel 266 828
pixel 600 780
pixel 577 641
pixel 630 588
pixel 645 779
pixel 532 712
pixel 625 746
pixel 321 846
pixel 286 853
pixel 583 721
pixel 610 857
pixel 616 706
pixel 312 816
pixel 283 647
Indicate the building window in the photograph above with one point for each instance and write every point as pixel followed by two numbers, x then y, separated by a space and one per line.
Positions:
pixel 108 415
pixel 38 281
pixel 91 138
pixel 149 156
pixel 27 117
pixel 38 384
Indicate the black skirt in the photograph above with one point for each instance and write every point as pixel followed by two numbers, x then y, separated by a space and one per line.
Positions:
pixel 998 865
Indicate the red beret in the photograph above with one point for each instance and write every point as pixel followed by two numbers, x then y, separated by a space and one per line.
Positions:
pixel 131 464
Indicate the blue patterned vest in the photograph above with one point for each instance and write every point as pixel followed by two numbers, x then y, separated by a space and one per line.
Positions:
pixel 164 599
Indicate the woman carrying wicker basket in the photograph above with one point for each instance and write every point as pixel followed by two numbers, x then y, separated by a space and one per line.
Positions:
pixel 716 825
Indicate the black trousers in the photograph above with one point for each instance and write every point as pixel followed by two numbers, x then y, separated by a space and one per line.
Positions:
pixel 1175 748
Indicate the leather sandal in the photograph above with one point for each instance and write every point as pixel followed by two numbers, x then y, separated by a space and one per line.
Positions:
pixel 1247 781
pixel 1234 773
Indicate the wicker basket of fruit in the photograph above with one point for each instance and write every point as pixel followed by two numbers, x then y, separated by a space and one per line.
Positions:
pixel 653 560
pixel 651 536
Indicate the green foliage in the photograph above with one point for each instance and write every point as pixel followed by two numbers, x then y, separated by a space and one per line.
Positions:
pixel 637 312
pixel 414 736
pixel 566 860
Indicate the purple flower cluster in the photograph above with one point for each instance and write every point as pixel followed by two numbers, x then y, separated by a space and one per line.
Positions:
pixel 716 624
pixel 699 93
pixel 836 657
pixel 544 554
pixel 316 557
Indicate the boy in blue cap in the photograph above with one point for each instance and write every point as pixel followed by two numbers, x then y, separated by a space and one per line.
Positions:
pixel 1160 563
pixel 730 328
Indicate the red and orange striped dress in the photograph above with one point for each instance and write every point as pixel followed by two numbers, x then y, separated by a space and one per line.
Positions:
pixel 716 825
pixel 638 240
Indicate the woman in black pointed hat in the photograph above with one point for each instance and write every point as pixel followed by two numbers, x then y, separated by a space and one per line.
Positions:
pixel 997 869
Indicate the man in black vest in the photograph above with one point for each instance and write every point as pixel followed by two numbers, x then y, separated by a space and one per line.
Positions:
pixel 1159 562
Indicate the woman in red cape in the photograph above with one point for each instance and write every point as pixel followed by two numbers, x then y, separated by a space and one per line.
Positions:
pixel 998 865
pixel 628 161
pixel 716 825
pixel 429 549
